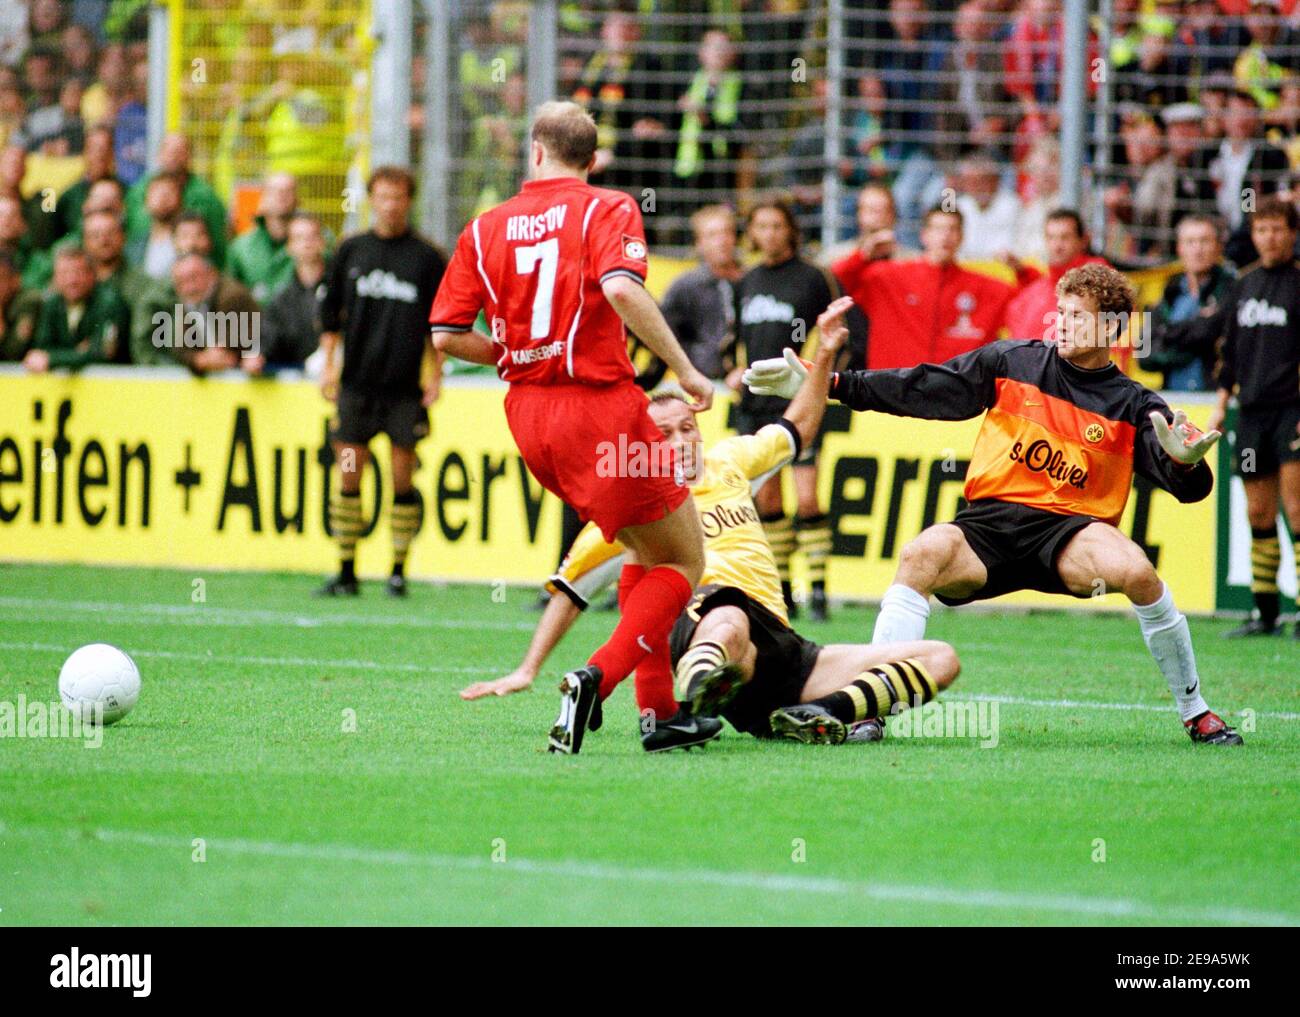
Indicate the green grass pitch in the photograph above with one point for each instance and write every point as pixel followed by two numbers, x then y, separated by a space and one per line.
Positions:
pixel 433 810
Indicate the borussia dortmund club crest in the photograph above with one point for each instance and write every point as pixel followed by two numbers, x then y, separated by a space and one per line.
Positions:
pixel 1094 433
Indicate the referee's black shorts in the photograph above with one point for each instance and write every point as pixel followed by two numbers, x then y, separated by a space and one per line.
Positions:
pixel 362 415
pixel 1264 439
pixel 785 658
pixel 1018 545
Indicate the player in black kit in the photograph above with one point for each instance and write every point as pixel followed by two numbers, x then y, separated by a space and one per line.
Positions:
pixel 377 297
pixel 1259 361
pixel 777 304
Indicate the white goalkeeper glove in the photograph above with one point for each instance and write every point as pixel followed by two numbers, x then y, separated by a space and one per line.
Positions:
pixel 780 376
pixel 1183 441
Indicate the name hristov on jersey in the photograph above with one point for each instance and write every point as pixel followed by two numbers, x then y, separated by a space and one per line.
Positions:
pixel 534 227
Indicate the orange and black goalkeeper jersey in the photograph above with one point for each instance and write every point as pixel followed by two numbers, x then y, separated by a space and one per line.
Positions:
pixel 1055 437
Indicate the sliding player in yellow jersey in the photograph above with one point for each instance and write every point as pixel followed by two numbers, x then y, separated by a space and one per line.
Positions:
pixel 733 649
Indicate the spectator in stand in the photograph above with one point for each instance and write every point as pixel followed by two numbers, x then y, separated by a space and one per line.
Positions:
pixel 1140 207
pixel 1208 41
pixel 1032 62
pixel 1271 55
pixel 154 252
pixel 291 323
pixel 497 149
pixel 14 40
pixel 876 218
pixel 203 291
pixel 1246 169
pixel 13 171
pixel 20 309
pixel 46 22
pixel 174 158
pixel 98 156
pixel 975 103
pixel 906 59
pixel 82 321
pixel 1213 98
pixel 866 130
pixel 1153 79
pixel 191 235
pixel 13 110
pixel 33 264
pixel 711 131
pixel 105 243
pixel 131 129
pixel 1284 122
pixel 1193 188
pixel 927 309
pixel 110 88
pixel 803 167
pixel 700 303
pixel 1032 314
pixel 1188 320
pixel 56 130
pixel 1040 192
pixel 618 86
pixel 989 211
pixel 40 77
pixel 77 47
pixel 258 258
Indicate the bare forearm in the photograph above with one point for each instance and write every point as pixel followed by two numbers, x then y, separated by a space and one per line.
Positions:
pixel 557 619
pixel 472 346
pixel 642 316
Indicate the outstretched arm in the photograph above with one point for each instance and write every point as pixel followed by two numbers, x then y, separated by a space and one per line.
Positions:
pixel 557 619
pixel 809 404
pixel 957 389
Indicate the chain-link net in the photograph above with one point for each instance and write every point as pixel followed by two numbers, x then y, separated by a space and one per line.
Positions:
pixel 275 86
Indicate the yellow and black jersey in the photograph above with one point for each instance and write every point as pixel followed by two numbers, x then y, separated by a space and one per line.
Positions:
pixel 1055 437
pixel 736 552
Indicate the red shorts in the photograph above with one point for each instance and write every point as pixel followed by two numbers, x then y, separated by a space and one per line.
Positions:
pixel 597 450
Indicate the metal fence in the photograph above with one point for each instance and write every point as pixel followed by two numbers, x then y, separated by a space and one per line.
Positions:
pixel 700 101
pixel 273 86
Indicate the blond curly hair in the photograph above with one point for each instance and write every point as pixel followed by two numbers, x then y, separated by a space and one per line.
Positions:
pixel 1114 293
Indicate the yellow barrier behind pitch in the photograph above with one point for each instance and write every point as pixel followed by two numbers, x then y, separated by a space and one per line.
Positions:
pixel 152 468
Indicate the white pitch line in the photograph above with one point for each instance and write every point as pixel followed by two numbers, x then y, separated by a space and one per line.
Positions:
pixel 944 896
pixel 370 665
pixel 205 614
pixel 1084 704
pixel 323 663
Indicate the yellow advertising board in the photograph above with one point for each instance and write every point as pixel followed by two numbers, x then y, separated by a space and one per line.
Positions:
pixel 150 468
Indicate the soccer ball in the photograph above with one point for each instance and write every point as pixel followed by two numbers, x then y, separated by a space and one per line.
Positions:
pixel 99 676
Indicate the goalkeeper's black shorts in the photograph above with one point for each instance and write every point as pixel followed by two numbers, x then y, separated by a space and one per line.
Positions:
pixel 1018 545
pixel 785 658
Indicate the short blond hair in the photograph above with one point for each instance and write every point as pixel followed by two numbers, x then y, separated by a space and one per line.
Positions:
pixel 703 215
pixel 566 131
pixel 1114 293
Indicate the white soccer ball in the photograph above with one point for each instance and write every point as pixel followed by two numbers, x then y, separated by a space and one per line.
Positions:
pixel 98 677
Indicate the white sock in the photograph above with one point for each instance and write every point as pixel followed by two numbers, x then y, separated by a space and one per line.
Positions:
pixel 1165 632
pixel 902 618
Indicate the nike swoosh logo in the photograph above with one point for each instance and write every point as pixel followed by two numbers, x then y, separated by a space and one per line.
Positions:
pixel 640 641
pixel 1190 689
pixel 693 729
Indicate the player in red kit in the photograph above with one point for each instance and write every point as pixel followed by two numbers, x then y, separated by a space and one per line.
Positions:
pixel 558 271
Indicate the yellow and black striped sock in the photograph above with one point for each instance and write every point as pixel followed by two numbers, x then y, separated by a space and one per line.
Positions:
pixel 1265 560
pixel 878 691
pixel 701 658
pixel 345 525
pixel 407 515
pixel 814 538
pixel 779 530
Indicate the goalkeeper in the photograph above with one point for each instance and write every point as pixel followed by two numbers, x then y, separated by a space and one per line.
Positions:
pixel 733 649
pixel 1050 474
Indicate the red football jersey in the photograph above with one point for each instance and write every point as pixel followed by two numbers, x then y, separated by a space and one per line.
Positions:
pixel 535 265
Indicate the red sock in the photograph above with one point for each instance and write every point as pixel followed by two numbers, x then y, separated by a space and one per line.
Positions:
pixel 654 683
pixel 654 675
pixel 649 612
pixel 627 580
